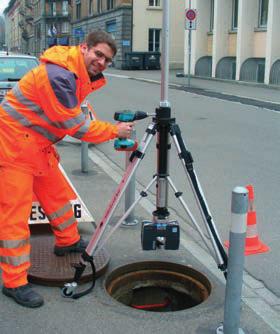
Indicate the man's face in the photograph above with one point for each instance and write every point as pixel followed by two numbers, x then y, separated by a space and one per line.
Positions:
pixel 96 58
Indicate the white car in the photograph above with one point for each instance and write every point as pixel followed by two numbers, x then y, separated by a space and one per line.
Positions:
pixel 12 68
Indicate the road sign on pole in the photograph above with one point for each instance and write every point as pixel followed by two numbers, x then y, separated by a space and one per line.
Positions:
pixel 190 19
pixel 190 14
pixel 190 24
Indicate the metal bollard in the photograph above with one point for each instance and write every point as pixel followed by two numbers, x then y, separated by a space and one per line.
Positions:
pixel 84 146
pixel 239 208
pixel 130 191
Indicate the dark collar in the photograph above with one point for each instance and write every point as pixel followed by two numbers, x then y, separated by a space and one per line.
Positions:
pixel 97 77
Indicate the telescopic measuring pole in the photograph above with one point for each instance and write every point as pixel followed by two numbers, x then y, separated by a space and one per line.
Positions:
pixel 162 121
pixel 165 56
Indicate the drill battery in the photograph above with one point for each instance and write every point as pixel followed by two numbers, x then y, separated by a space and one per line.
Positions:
pixel 126 144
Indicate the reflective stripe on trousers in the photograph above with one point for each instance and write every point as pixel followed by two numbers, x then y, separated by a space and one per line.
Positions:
pixel 62 218
pixel 10 250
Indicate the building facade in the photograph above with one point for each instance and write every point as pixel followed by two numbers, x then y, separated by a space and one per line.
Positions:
pixel 26 26
pixel 147 28
pixel 113 16
pixel 136 25
pixel 2 34
pixel 52 24
pixel 236 40
pixel 13 29
pixel 19 26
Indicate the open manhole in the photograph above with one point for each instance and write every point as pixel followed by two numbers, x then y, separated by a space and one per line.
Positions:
pixel 158 286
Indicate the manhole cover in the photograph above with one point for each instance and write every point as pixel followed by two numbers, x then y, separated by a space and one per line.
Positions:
pixel 158 286
pixel 49 269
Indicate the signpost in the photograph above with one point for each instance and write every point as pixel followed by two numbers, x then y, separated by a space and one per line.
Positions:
pixel 190 24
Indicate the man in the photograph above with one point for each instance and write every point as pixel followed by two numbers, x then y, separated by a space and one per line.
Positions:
pixel 38 112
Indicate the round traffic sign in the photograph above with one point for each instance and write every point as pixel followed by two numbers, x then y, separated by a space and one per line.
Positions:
pixel 190 14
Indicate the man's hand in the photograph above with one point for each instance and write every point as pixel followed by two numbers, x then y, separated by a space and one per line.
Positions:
pixel 125 129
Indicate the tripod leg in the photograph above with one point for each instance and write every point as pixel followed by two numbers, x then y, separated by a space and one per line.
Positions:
pixel 178 195
pixel 135 159
pixel 187 162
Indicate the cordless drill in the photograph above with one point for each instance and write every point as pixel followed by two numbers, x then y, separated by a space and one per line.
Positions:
pixel 127 144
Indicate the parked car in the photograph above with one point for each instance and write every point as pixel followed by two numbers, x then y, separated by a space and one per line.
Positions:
pixel 12 69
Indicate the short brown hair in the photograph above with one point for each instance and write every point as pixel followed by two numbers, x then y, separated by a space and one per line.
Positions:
pixel 100 36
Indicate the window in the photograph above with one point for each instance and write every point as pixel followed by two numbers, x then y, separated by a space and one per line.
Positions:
pixel 211 15
pixel 65 27
pixel 263 11
pixel 111 28
pixel 99 6
pixel 234 14
pixel 64 8
pixel 110 4
pixel 53 8
pixel 38 31
pixel 90 7
pixel 78 9
pixel 36 10
pixel 154 40
pixel 154 3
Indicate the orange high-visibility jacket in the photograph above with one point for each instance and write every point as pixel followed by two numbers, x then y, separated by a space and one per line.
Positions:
pixel 44 107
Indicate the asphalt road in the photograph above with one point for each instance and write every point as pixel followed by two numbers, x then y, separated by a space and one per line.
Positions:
pixel 232 144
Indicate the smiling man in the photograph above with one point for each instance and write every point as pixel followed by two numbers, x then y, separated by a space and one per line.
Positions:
pixel 97 56
pixel 39 111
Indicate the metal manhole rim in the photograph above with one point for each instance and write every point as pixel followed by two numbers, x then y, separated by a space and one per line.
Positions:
pixel 165 273
pixel 145 263
pixel 161 266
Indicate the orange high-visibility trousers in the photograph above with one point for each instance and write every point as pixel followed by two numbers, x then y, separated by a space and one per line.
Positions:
pixel 16 193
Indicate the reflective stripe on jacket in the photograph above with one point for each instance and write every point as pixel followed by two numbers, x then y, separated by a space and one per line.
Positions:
pixel 45 106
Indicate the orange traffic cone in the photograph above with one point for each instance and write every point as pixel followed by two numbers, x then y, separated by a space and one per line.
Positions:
pixel 253 245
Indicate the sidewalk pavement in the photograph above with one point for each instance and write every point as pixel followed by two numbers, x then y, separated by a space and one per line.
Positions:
pixel 99 313
pixel 259 92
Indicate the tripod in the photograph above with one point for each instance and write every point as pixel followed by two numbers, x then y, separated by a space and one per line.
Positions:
pixel 160 232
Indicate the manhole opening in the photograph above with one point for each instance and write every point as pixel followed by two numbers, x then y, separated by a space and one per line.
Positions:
pixel 158 286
